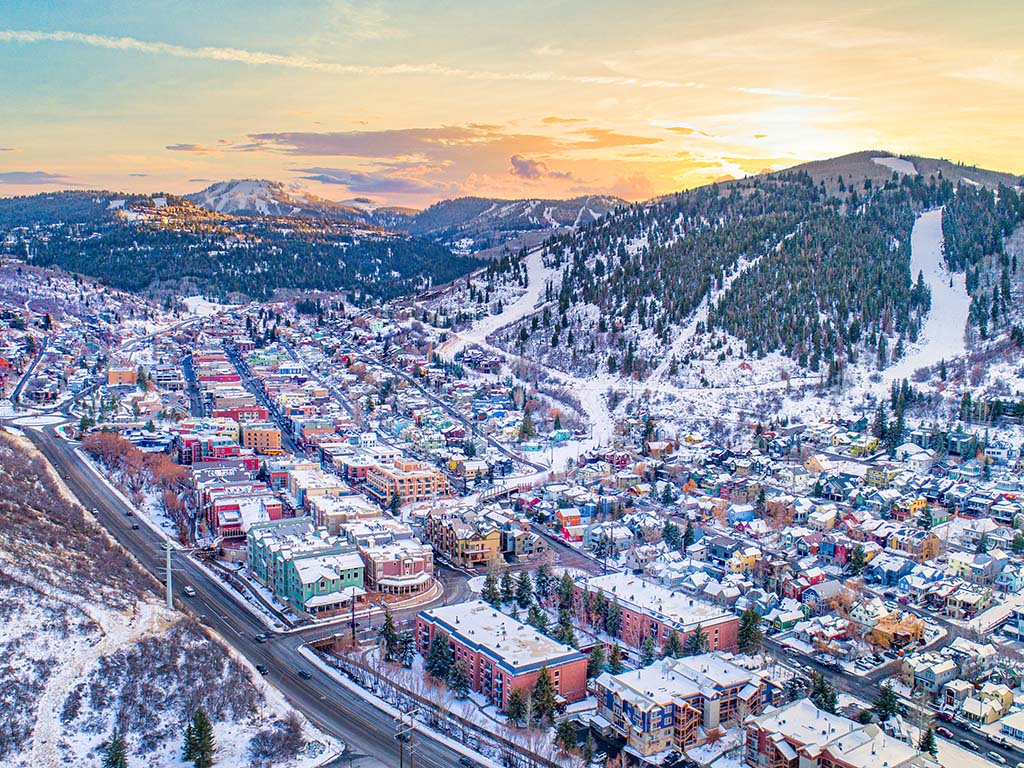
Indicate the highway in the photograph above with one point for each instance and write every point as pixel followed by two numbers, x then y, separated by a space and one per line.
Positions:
pixel 367 731
pixel 16 394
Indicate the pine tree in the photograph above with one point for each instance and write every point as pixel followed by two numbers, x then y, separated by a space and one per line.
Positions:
pixel 542 581
pixel 536 618
pixel 116 753
pixel 595 662
pixel 795 688
pixel 673 647
pixel 696 643
pixel 566 590
pixel 750 636
pixel 491 594
pixel 564 632
pixel 667 495
pixel 458 679
pixel 613 619
pixel 515 708
pixel 202 731
pixel 439 656
pixel 823 694
pixel 524 589
pixel 615 663
pixel 406 649
pixel 858 560
pixel 565 737
pixel 188 750
pixel 388 637
pixel 927 742
pixel 886 704
pixel 671 535
pixel 688 536
pixel 508 587
pixel 543 696
pixel 648 651
pixel 526 428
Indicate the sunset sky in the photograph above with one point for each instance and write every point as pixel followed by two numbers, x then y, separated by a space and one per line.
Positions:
pixel 411 102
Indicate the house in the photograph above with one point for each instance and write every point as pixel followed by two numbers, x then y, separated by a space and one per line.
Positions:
pixel 988 704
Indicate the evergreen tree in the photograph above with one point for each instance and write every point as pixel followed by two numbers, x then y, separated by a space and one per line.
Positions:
pixel 858 560
pixel 671 535
pixel 388 637
pixel 439 656
pixel 565 737
pixel 615 663
pixel 688 536
pixel 668 496
pixel 508 587
pixel 613 619
pixel 648 652
pixel 202 733
pixel 751 637
pixel 188 750
pixel 515 708
pixel 116 753
pixel 542 581
pixel 823 694
pixel 1017 546
pixel 458 679
pixel 566 590
pixel 564 632
pixel 526 428
pixel 524 589
pixel 886 704
pixel 536 618
pixel 673 647
pixel 543 696
pixel 491 594
pixel 982 547
pixel 795 687
pixel 595 662
pixel 927 743
pixel 406 649
pixel 696 643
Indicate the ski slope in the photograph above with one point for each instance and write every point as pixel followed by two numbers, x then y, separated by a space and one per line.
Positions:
pixel 942 337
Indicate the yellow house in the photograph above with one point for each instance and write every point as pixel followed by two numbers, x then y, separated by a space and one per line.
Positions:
pixel 880 476
pixel 743 560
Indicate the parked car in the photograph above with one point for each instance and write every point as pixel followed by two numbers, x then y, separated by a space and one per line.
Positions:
pixel 944 732
pixel 995 757
pixel 262 669
pixel 969 745
pixel 943 715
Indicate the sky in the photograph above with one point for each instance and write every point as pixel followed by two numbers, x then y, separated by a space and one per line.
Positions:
pixel 410 102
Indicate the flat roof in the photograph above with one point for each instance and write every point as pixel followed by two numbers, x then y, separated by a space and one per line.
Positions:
pixel 674 607
pixel 517 647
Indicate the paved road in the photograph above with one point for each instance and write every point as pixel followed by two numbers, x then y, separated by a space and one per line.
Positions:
pixel 368 732
pixel 16 394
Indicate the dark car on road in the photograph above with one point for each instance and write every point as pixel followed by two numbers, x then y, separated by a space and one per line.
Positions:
pixel 135 526
pixel 305 674
pixel 261 668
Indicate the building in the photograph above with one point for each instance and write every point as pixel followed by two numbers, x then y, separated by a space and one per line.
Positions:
pixel 399 569
pixel 801 734
pixel 122 377
pixel 502 653
pixel 467 541
pixel 262 438
pixel 313 572
pixel 649 609
pixel 406 479
pixel 675 703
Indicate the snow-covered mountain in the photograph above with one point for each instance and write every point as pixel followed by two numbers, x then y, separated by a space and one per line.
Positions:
pixel 260 197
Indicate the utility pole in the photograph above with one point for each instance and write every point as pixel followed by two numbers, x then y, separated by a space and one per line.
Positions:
pixel 170 592
pixel 404 732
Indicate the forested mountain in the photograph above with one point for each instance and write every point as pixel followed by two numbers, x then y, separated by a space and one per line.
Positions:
pixel 169 244
pixel 816 267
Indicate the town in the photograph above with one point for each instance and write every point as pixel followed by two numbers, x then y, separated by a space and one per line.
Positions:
pixel 456 540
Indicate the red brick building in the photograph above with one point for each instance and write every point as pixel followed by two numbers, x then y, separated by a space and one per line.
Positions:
pixel 502 653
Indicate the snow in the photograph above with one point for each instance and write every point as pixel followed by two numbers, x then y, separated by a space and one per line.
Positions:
pixel 197 305
pixel 942 337
pixel 896 164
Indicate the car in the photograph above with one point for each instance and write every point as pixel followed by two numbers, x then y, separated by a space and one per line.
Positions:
pixel 995 757
pixel 188 590
pixel 944 732
pixel 260 638
pixel 135 526
pixel 304 674
pixel 969 745
pixel 467 762
pixel 129 513
pixel 262 669
pixel 946 716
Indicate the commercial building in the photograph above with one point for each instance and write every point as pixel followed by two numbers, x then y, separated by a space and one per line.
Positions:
pixel 262 438
pixel 502 653
pixel 649 609
pixel 406 479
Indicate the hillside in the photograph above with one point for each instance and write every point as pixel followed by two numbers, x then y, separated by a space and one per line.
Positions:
pixel 167 244
pixel 731 300
pixel 88 649
pixel 258 197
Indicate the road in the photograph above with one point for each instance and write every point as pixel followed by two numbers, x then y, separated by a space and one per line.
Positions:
pixel 16 394
pixel 368 732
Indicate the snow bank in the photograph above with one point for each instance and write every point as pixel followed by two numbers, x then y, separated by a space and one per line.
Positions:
pixel 896 164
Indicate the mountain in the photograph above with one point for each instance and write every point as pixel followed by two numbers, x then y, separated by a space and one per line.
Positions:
pixel 466 224
pixel 171 245
pixel 476 223
pixel 806 271
pixel 259 197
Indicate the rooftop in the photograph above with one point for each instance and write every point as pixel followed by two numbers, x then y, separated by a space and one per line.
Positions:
pixel 675 607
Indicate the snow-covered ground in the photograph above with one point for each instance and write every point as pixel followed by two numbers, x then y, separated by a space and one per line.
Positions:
pixel 897 164
pixel 197 305
pixel 942 337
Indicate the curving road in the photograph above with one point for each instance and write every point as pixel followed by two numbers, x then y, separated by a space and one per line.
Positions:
pixel 367 731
